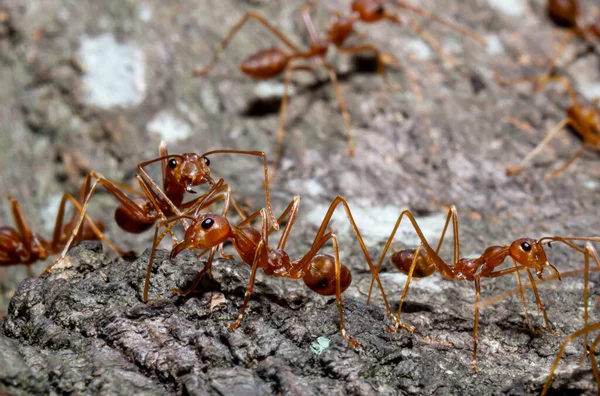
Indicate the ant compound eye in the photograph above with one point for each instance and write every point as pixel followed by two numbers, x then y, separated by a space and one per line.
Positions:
pixel 526 246
pixel 172 163
pixel 379 10
pixel 206 161
pixel 207 223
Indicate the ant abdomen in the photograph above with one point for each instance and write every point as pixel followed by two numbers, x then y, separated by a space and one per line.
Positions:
pixel 563 12
pixel 403 259
pixel 321 276
pixel 129 222
pixel 265 64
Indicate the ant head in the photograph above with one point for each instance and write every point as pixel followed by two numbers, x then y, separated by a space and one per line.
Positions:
pixel 563 12
pixel 372 11
pixel 530 253
pixel 189 170
pixel 207 231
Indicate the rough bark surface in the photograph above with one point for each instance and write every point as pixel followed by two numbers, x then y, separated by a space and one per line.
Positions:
pixel 85 329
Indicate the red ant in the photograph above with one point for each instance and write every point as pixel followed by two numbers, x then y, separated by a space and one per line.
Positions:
pixel 583 120
pixel 566 13
pixel 180 173
pixel 323 274
pixel 20 246
pixel 272 62
pixel 424 261
pixel 589 252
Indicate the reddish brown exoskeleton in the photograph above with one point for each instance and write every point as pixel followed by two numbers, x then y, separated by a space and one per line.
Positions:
pixel 584 120
pixel 323 274
pixel 424 261
pixel 272 62
pixel 567 14
pixel 590 254
pixel 20 246
pixel 180 174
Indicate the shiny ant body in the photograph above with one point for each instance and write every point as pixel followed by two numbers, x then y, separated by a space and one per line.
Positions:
pixel 273 62
pixel 424 261
pixel 180 173
pixel 323 274
pixel 20 246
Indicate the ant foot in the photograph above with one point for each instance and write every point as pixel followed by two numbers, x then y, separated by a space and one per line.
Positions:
pixel 234 325
pixel 352 342
pixel 351 149
pixel 512 171
pixel 474 367
pixel 180 292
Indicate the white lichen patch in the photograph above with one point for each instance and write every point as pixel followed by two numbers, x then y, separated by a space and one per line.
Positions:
pixel 494 45
pixel 114 72
pixel 589 89
pixel 169 127
pixel 418 49
pixel 431 284
pixel 512 8
pixel 376 223
pixel 272 89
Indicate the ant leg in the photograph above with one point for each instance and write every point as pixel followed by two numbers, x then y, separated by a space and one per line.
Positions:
pixel 522 297
pixel 383 59
pixel 559 127
pixel 404 292
pixel 156 241
pixel 320 234
pixel 343 108
pixel 570 338
pixel 447 60
pixel 429 15
pixel 569 162
pixel 259 257
pixel 93 226
pixel 30 273
pixel 593 361
pixel 561 49
pixel 540 306
pixel 444 269
pixel 207 269
pixel 338 293
pixel 282 111
pixel 477 283
pixel 234 30
pixel 312 32
pixel 21 223
pixel 266 175
pixel 127 203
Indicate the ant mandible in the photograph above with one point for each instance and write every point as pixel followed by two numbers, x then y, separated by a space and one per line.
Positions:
pixel 424 261
pixel 323 274
pixel 567 14
pixel 20 246
pixel 272 62
pixel 584 120
pixel 589 252
pixel 180 173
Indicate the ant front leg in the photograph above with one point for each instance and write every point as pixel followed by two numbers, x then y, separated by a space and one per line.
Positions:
pixel 559 127
pixel 282 112
pixel 261 256
pixel 343 108
pixel 234 30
